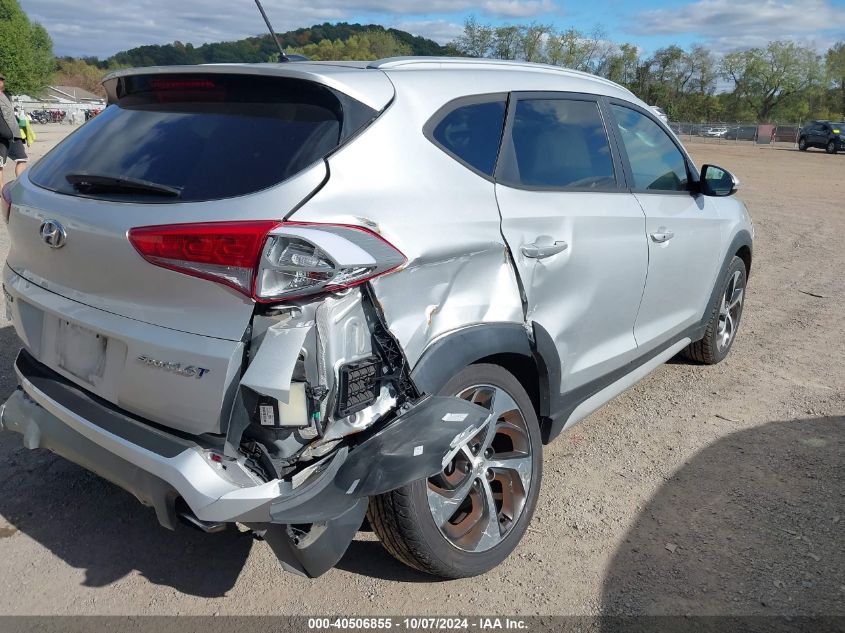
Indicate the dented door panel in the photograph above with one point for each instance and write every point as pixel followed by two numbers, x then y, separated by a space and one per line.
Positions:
pixel 586 296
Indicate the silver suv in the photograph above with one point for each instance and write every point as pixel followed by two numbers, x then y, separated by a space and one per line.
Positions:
pixel 290 296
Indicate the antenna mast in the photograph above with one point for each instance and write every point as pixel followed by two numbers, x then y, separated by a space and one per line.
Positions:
pixel 282 56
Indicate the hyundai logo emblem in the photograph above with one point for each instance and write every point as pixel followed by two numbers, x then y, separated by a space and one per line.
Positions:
pixel 53 233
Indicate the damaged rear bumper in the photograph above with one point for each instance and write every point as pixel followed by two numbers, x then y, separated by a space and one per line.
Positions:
pixel 160 467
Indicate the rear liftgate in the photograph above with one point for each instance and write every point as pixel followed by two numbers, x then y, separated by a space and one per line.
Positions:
pixel 327 407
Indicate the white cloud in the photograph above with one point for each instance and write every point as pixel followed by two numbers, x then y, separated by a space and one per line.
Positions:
pixel 730 24
pixel 441 31
pixel 728 44
pixel 518 8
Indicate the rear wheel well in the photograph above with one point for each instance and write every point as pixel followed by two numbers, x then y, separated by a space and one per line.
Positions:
pixel 744 253
pixel 524 370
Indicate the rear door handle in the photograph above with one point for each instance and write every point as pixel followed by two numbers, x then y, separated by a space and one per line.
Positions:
pixel 536 251
pixel 662 235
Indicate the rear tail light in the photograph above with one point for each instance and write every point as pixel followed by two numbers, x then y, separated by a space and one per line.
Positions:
pixel 6 203
pixel 267 260
pixel 224 252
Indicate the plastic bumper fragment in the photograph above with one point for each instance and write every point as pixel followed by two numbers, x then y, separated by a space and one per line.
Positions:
pixel 414 446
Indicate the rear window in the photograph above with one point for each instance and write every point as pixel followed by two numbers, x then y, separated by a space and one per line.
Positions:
pixel 180 138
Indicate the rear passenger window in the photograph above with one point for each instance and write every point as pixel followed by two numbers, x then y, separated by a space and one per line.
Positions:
pixel 561 144
pixel 656 162
pixel 471 133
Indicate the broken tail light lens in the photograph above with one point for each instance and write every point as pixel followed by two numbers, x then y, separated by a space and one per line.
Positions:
pixel 267 260
pixel 305 259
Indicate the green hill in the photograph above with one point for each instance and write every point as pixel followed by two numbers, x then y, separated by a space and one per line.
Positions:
pixel 258 49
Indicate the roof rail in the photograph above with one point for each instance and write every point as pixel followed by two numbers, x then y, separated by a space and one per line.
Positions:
pixel 488 64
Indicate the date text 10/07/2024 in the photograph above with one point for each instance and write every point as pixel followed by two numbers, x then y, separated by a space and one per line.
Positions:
pixel 421 623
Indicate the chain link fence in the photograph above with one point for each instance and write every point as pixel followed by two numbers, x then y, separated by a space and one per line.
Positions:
pixel 762 134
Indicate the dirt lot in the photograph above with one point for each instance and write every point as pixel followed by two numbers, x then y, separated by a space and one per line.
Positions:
pixel 703 490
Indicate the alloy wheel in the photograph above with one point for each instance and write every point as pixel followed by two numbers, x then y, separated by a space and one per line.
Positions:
pixel 729 311
pixel 479 496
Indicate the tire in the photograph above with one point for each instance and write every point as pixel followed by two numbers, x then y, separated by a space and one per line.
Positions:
pixel 831 147
pixel 404 519
pixel 802 144
pixel 724 319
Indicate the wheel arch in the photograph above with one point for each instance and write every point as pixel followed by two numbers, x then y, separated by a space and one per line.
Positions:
pixel 744 253
pixel 527 352
pixel 523 368
pixel 741 246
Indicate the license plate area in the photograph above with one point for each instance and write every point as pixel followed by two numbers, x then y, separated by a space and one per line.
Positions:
pixel 81 352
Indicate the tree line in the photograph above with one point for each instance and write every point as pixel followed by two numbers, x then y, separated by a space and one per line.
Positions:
pixel 262 49
pixel 341 41
pixel 782 81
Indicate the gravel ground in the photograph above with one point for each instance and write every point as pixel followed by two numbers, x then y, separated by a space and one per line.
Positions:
pixel 703 490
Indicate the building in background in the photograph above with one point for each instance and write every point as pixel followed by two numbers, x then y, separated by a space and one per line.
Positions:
pixel 61 104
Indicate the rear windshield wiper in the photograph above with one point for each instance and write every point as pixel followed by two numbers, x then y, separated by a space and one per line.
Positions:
pixel 96 183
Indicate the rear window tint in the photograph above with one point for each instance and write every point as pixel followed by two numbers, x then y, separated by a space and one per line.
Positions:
pixel 472 132
pixel 208 137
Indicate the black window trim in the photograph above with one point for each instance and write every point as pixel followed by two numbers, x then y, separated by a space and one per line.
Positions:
pixel 449 107
pixel 693 177
pixel 506 149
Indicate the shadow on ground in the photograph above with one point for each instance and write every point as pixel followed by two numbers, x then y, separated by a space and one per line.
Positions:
pixel 751 525
pixel 93 525
pixel 369 558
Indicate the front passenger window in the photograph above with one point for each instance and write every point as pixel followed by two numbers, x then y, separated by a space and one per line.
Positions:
pixel 656 162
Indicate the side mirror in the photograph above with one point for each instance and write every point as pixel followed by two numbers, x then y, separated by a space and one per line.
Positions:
pixel 716 181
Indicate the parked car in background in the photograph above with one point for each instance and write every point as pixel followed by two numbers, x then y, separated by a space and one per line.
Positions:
pixel 715 132
pixel 411 275
pixel 826 135
pixel 741 133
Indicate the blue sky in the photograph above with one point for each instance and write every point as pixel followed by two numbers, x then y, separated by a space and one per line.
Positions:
pixel 103 28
